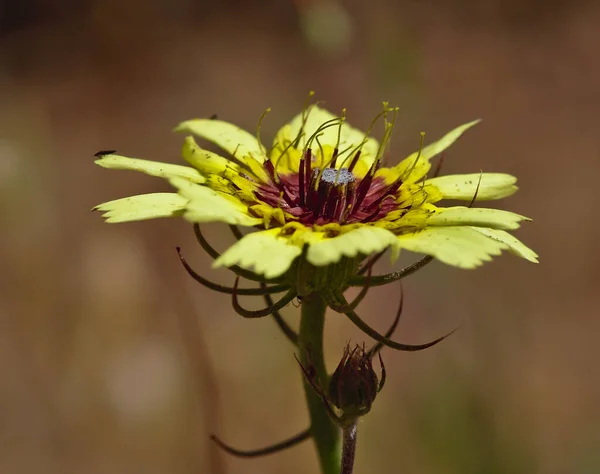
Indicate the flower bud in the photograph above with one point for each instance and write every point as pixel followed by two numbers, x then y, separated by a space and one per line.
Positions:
pixel 354 384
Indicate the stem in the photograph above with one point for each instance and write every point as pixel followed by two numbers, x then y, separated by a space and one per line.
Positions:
pixel 349 447
pixel 324 431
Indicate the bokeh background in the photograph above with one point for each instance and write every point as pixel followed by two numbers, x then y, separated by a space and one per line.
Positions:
pixel 113 361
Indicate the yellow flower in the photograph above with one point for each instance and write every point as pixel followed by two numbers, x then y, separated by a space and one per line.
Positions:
pixel 322 187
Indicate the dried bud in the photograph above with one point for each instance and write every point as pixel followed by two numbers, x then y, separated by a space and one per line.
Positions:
pixel 354 384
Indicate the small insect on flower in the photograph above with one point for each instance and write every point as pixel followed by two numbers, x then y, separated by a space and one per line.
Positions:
pixel 323 195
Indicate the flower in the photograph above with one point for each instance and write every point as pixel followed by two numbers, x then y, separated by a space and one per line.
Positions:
pixel 322 189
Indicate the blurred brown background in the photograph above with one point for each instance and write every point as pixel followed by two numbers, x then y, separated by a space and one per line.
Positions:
pixel 96 374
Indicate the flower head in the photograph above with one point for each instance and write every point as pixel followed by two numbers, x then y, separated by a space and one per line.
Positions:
pixel 322 188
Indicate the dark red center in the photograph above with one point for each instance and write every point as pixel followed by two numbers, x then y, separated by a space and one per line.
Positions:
pixel 322 196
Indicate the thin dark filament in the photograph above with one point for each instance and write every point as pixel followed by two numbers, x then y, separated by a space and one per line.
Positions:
pixel 274 448
pixel 354 161
pixel 307 173
pixel 285 328
pixel 209 249
pixel 363 188
pixel 389 192
pixel 372 261
pixel 301 183
pixel 264 290
pixel 394 276
pixel 310 378
pixel 438 167
pixel 383 374
pixel 378 346
pixel 260 313
pixel 352 316
pixel 372 216
pixel 334 157
pixel 237 233
pixel 476 191
pixel 277 182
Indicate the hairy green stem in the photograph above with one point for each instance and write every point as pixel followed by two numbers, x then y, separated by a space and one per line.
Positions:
pixel 324 431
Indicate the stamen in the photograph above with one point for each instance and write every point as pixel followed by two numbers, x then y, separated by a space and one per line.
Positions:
pixel 382 147
pixel 268 164
pixel 337 143
pixel 406 175
pixel 363 189
pixel 354 160
pixel 301 180
pixel 367 133
pixel 263 115
pixel 284 151
pixel 324 126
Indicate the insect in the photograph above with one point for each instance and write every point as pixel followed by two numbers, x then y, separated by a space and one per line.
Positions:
pixel 101 153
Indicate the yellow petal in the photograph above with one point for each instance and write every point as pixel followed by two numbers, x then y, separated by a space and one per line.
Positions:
pixel 205 161
pixel 462 247
pixel 515 246
pixel 413 169
pixel 263 252
pixel 349 137
pixel 208 205
pixel 153 168
pixel 235 141
pixel 464 186
pixel 364 240
pixel 142 207
pixel 479 217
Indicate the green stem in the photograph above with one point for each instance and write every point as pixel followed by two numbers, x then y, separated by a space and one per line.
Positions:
pixel 324 431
